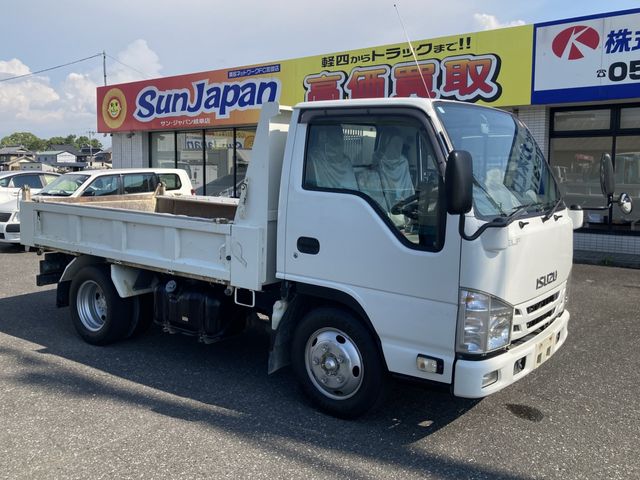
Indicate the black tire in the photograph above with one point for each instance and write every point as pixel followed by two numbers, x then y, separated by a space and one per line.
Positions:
pixel 337 363
pixel 99 315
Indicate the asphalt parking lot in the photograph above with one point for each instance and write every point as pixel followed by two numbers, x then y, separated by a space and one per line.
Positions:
pixel 165 406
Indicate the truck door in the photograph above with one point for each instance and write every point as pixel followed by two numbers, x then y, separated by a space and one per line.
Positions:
pixel 365 215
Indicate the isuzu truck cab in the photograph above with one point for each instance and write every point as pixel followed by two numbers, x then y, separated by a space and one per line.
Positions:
pixel 421 238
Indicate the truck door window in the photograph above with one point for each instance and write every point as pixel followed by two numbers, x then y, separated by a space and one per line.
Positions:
pixel 388 161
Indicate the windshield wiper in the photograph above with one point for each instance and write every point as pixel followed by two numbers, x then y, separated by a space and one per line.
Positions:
pixel 520 209
pixel 552 210
pixel 517 211
pixel 488 195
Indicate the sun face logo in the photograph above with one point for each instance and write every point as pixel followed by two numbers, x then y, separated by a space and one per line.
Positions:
pixel 114 108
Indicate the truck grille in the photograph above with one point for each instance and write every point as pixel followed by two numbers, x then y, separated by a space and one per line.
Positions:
pixel 542 303
pixel 4 217
pixel 536 314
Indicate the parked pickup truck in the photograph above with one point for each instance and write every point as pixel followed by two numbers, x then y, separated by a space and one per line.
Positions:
pixel 421 238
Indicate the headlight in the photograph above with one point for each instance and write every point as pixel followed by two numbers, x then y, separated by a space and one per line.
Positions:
pixel 484 323
pixel 16 217
pixel 565 298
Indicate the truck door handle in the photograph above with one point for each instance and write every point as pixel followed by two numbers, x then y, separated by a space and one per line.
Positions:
pixel 308 245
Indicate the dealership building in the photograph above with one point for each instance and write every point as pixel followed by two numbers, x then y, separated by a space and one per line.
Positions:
pixel 574 82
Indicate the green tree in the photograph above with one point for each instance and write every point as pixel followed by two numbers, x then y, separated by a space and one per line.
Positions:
pixel 81 141
pixel 35 144
pixel 55 141
pixel 84 141
pixel 75 141
pixel 27 139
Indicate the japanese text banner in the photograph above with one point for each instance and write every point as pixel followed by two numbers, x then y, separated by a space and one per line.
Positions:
pixel 492 67
pixel 587 59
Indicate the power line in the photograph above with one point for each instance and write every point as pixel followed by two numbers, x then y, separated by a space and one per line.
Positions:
pixel 51 68
pixel 128 66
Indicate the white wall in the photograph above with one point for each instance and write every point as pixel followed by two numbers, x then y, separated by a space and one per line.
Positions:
pixel 32 166
pixel 66 157
pixel 536 118
pixel 130 150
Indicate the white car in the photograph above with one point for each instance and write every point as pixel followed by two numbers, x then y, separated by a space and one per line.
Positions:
pixel 94 183
pixel 10 185
pixel 11 182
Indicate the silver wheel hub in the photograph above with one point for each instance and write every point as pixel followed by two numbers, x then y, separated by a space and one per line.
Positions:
pixel 334 363
pixel 91 306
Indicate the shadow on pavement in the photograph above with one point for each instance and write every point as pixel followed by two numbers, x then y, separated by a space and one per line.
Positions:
pixel 11 248
pixel 232 392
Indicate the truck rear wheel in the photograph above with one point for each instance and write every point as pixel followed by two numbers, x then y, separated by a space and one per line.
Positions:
pixel 337 363
pixel 99 315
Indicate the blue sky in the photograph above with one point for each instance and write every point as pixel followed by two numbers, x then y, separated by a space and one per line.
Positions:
pixel 162 38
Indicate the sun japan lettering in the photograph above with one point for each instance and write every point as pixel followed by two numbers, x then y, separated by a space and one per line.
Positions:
pixel 461 77
pixel 219 98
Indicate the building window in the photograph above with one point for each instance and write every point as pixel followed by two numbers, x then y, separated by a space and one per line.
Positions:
pixel 190 155
pixel 579 138
pixel 216 160
pixel 576 164
pixel 630 118
pixel 163 150
pixel 582 120
pixel 219 163
pixel 627 174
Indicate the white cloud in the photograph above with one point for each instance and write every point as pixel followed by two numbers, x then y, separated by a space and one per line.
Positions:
pixel 12 68
pixel 138 62
pixel 484 21
pixel 31 99
pixel 79 93
pixel 34 104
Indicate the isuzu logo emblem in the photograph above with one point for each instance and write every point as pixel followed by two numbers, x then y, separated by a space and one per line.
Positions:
pixel 545 280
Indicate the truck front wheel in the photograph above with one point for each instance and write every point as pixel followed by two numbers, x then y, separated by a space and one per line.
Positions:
pixel 337 363
pixel 99 315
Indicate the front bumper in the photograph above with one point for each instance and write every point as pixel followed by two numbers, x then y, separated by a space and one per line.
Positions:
pixel 9 232
pixel 469 373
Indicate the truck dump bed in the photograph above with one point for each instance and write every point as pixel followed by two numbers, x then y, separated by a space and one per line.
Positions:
pixel 153 232
pixel 216 239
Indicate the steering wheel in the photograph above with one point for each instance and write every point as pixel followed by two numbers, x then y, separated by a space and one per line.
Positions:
pixel 407 207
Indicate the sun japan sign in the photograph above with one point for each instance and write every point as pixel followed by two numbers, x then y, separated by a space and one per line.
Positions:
pixel 492 67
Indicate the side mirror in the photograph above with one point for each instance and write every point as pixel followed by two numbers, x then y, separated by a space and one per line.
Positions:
pixel 625 203
pixel 607 182
pixel 576 214
pixel 458 183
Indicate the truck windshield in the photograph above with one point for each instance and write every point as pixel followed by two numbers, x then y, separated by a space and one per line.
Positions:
pixel 510 174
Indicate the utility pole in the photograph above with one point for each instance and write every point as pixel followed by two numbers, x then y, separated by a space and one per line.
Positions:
pixel 104 67
pixel 91 133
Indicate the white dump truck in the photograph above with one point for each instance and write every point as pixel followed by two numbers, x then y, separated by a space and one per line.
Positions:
pixel 419 238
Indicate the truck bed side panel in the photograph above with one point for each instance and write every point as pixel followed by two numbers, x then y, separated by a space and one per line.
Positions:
pixel 182 245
